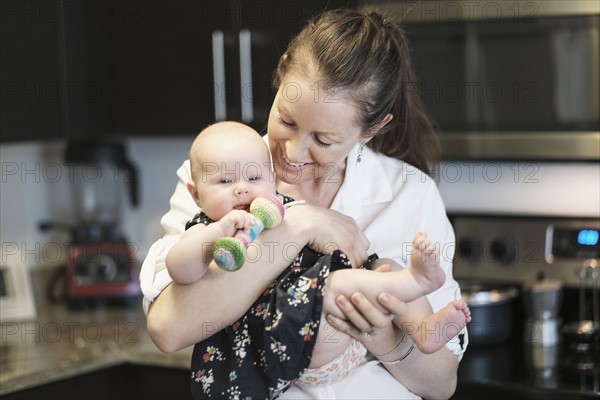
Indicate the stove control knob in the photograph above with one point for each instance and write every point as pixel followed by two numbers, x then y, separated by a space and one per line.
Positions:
pixel 502 251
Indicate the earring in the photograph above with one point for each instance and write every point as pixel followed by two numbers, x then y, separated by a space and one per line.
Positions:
pixel 360 150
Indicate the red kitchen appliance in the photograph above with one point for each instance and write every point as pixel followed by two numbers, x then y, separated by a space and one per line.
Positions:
pixel 101 270
pixel 101 265
pixel 101 261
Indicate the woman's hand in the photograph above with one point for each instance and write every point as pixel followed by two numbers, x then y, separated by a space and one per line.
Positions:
pixel 367 324
pixel 380 335
pixel 330 230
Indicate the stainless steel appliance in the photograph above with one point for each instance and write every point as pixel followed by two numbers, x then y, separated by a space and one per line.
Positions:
pixel 521 249
pixel 507 80
pixel 542 308
pixel 547 257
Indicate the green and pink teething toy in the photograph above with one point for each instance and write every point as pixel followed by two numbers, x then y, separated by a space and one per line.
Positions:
pixel 230 252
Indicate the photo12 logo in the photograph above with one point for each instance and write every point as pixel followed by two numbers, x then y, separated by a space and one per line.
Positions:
pixel 454 11
pixel 58 252
pixel 78 333
pixel 54 172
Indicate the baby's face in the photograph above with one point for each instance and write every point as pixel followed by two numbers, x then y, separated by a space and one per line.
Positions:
pixel 233 174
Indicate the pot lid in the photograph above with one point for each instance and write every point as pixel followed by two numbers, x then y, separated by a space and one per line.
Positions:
pixel 480 294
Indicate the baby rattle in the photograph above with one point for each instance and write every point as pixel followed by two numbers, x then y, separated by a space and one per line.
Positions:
pixel 230 252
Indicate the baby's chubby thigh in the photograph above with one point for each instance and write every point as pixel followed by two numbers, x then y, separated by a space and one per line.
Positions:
pixel 330 344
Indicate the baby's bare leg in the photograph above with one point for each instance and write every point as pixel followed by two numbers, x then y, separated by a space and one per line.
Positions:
pixel 330 344
pixel 422 277
pixel 431 331
pixel 346 282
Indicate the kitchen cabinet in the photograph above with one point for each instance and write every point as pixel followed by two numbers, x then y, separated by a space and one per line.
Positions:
pixel 163 57
pixel 57 70
pixel 124 67
pixel 191 63
pixel 29 75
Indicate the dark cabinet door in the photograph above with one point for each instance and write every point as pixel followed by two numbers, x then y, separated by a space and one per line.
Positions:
pixel 164 60
pixel 29 73
pixel 263 32
pixel 87 70
pixel 136 67
pixel 191 63
pixel 57 69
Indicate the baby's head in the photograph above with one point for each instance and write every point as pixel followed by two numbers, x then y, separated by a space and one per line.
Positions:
pixel 230 166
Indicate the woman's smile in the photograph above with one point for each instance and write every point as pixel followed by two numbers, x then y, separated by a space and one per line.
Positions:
pixel 292 164
pixel 310 140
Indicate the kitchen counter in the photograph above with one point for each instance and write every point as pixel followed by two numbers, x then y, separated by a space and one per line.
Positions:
pixel 63 343
pixel 515 370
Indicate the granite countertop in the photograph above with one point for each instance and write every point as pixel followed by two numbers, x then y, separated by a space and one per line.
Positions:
pixel 63 343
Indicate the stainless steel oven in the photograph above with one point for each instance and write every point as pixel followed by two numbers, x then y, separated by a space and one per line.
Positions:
pixel 507 80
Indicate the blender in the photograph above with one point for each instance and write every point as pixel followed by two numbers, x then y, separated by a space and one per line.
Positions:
pixel 98 172
pixel 101 264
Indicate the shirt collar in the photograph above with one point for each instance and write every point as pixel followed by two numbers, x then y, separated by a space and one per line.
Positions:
pixel 365 183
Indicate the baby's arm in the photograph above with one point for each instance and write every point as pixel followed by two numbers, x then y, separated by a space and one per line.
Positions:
pixel 189 258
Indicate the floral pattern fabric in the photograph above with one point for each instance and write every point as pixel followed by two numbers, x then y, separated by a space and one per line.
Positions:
pixel 270 346
pixel 337 369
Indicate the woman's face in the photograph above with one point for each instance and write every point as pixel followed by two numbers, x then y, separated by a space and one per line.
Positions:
pixel 311 131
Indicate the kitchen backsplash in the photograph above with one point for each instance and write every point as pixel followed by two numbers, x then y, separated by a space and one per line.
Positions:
pixel 528 188
pixel 35 188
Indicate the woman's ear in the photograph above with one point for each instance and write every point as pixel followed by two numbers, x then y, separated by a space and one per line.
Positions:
pixel 377 127
pixel 191 187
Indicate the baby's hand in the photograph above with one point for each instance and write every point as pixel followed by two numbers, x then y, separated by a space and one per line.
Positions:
pixel 236 220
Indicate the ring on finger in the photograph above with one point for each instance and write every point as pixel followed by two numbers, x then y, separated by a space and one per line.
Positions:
pixel 369 332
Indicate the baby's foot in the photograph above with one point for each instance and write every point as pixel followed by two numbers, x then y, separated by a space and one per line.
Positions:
pixel 449 321
pixel 424 264
pixel 454 317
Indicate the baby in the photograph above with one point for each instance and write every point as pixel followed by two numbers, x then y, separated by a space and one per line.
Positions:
pixel 231 165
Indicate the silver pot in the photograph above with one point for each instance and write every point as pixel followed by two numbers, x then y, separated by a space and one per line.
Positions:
pixel 491 311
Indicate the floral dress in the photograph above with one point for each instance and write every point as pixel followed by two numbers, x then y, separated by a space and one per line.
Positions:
pixel 268 348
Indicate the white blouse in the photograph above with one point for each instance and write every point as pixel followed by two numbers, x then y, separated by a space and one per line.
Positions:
pixel 390 200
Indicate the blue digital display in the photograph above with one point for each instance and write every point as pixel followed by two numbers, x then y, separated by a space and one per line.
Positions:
pixel 588 237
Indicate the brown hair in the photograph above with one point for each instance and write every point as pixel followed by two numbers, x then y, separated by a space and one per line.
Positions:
pixel 368 59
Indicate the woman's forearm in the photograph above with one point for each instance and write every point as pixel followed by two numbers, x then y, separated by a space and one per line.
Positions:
pixel 186 314
pixel 431 376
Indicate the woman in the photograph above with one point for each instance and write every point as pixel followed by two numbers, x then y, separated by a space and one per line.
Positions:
pixel 349 137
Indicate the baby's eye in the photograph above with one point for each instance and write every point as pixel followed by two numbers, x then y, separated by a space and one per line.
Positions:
pixel 225 180
pixel 254 178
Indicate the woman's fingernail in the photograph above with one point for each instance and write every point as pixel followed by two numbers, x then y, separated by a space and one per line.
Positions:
pixel 330 318
pixel 384 298
pixel 342 300
pixel 357 297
